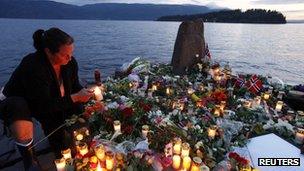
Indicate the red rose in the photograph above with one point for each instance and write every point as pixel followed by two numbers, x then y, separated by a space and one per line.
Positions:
pixel 127 112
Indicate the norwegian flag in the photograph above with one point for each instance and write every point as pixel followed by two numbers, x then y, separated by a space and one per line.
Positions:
pixel 254 84
pixel 207 52
pixel 239 82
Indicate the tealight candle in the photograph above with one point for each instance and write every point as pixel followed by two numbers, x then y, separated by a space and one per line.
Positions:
pixel 299 136
pixel 212 131
pixel 223 105
pixel 185 150
pixel 186 163
pixel 109 160
pixel 176 161
pixel 60 164
pixel 154 87
pixel 266 95
pixel 117 126
pixel 168 91
pixel 217 111
pixel 196 164
pixel 98 94
pixel 83 149
pixel 79 136
pixel 144 131
pixel 177 146
pixel 100 152
pixel 66 154
pixel 279 106
pixel 217 78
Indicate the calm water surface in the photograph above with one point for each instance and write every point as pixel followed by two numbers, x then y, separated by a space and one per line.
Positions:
pixel 275 50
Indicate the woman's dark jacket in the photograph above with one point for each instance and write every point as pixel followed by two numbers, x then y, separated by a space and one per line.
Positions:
pixel 35 80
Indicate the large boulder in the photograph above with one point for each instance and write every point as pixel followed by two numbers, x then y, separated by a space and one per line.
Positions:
pixel 189 46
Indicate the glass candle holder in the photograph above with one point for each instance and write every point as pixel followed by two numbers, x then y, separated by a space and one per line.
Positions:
pixel 67 155
pixel 60 164
pixel 279 106
pixel 176 162
pixel 100 152
pixel 222 106
pixel 117 126
pixel 177 145
pixel 217 111
pixel 109 160
pixel 299 137
pixel 266 95
pixel 83 148
pixel 186 163
pixel 144 131
pixel 212 131
pixel 196 164
pixel 185 150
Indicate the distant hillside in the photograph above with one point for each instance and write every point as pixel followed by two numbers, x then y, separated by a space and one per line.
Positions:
pixel 43 9
pixel 233 16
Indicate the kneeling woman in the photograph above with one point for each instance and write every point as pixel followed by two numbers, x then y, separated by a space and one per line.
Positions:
pixel 45 86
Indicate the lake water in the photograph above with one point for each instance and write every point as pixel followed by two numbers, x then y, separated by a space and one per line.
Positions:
pixel 265 49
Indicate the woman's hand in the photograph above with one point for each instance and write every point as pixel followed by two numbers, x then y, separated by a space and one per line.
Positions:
pixel 82 96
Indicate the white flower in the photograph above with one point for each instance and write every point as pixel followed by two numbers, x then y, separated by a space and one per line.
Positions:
pixel 197 127
pixel 113 105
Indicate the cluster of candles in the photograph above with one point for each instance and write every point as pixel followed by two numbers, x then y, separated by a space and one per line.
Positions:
pixel 144 131
pixel 181 159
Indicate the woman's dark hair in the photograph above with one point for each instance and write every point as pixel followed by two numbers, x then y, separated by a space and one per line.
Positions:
pixel 52 39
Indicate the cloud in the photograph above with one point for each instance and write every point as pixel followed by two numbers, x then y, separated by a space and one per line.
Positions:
pixel 277 2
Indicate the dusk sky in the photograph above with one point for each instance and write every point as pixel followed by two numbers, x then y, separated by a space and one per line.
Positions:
pixel 293 9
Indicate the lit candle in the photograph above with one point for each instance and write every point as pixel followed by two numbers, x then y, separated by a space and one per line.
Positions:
pixel 60 164
pixel 100 152
pixel 299 136
pixel 176 161
pixel 66 154
pixel 196 164
pixel 144 131
pixel 201 87
pixel 117 126
pixel 217 78
pixel 168 91
pixel 223 105
pixel 212 131
pixel 98 94
pixel 185 150
pixel 190 90
pixel 154 87
pixel 83 149
pixel 177 146
pixel 217 111
pixel 78 136
pixel 266 95
pixel 279 106
pixel 109 160
pixel 216 70
pixel 186 163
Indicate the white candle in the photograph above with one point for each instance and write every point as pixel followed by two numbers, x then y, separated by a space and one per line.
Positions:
pixel 190 91
pixel 212 131
pixel 83 149
pixel 100 152
pixel 154 87
pixel 168 91
pixel 185 150
pixel 98 94
pixel 144 131
pixel 196 164
pixel 117 126
pixel 78 136
pixel 223 105
pixel 186 163
pixel 217 111
pixel 279 106
pixel 299 136
pixel 66 154
pixel 177 146
pixel 176 161
pixel 109 160
pixel 266 95
pixel 60 164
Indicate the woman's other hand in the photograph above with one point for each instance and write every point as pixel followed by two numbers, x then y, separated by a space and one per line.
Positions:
pixel 82 96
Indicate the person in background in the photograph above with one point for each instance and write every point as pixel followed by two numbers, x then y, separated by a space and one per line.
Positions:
pixel 45 86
